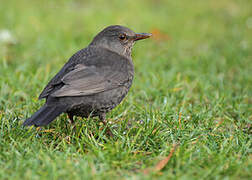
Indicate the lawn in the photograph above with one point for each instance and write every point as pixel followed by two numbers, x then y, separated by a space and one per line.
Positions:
pixel 192 88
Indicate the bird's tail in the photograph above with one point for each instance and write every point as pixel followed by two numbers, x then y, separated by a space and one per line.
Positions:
pixel 44 115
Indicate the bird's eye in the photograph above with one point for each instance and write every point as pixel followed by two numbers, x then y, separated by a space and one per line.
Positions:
pixel 122 36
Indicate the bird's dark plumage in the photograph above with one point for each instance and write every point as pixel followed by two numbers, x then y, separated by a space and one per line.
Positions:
pixel 93 81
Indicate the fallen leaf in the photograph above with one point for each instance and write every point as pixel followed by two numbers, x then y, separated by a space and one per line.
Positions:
pixel 165 161
pixel 161 164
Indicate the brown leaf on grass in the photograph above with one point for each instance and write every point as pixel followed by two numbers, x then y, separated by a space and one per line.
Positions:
pixel 159 36
pixel 161 164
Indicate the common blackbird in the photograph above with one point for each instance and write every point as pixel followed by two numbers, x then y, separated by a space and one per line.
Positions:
pixel 93 81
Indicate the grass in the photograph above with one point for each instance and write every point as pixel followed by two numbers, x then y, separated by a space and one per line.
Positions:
pixel 192 87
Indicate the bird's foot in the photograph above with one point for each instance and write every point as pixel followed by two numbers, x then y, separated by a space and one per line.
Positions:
pixel 103 120
pixel 71 121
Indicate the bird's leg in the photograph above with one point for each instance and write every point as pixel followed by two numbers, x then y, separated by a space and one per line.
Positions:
pixel 38 129
pixel 71 120
pixel 102 118
pixel 70 116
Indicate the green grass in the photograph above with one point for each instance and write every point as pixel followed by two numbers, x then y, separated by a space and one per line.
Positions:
pixel 193 86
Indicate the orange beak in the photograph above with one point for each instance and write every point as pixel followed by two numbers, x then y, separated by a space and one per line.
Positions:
pixel 139 36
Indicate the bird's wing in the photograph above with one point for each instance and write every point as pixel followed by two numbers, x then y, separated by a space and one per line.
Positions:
pixel 87 72
pixel 88 80
pixel 56 82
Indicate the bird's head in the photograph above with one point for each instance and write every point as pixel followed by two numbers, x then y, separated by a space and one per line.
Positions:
pixel 118 39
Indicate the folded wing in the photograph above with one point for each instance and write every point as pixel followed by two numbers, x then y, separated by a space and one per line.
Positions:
pixel 88 80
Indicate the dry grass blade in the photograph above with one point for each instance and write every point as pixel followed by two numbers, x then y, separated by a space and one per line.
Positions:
pixel 161 164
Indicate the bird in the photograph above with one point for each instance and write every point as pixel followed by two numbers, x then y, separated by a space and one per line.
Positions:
pixel 93 81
